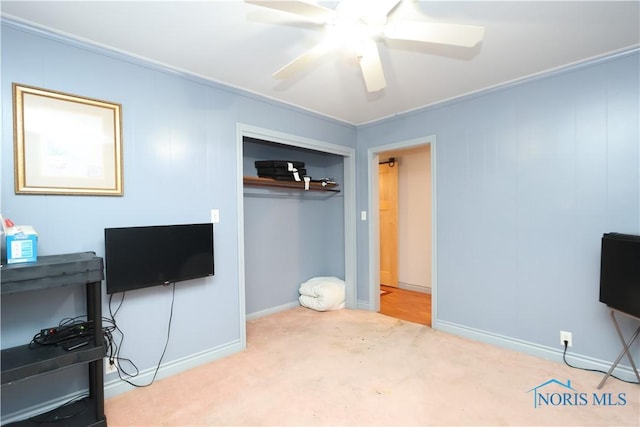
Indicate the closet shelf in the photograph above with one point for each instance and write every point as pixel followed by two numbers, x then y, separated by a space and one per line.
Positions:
pixel 255 181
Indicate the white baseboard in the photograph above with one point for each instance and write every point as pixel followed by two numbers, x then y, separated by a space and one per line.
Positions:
pixel 544 352
pixel 272 310
pixel 415 288
pixel 116 386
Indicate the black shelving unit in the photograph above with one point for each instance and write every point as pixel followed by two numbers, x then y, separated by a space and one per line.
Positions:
pixel 22 362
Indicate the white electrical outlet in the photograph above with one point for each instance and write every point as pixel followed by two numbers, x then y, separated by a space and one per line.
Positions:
pixel 110 368
pixel 565 336
pixel 215 216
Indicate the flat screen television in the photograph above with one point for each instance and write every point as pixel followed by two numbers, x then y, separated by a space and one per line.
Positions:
pixel 620 272
pixel 140 257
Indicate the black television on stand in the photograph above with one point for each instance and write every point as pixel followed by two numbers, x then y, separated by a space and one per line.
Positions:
pixel 620 273
pixel 140 257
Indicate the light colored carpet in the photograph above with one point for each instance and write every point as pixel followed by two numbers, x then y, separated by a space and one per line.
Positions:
pixel 359 368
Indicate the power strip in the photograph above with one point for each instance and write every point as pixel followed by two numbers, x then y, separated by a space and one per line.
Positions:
pixel 80 332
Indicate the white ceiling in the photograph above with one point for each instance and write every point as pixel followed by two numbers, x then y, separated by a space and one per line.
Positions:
pixel 241 45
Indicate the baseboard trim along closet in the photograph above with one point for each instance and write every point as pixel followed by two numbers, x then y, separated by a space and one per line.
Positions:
pixel 272 310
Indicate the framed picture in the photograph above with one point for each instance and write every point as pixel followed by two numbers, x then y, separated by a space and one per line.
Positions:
pixel 66 144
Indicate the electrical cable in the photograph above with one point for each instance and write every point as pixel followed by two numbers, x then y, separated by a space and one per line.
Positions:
pixel 564 354
pixel 110 333
pixel 114 347
pixel 112 350
pixel 111 313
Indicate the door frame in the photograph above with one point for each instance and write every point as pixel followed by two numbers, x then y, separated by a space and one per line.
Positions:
pixel 348 189
pixel 374 219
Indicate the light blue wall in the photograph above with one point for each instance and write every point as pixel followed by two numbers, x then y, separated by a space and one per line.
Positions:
pixel 529 177
pixel 180 160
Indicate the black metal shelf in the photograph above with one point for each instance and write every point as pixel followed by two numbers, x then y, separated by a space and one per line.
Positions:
pixel 80 413
pixel 22 362
pixel 52 271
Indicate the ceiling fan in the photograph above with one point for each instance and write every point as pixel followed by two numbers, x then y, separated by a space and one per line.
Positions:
pixel 358 24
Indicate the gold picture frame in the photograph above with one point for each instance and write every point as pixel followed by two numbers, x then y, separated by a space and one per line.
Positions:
pixel 66 144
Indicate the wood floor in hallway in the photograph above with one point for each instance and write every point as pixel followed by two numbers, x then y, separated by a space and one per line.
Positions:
pixel 406 305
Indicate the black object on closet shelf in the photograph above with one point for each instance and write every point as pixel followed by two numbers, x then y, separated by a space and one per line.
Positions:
pixel 282 170
pixel 279 173
pixel 278 164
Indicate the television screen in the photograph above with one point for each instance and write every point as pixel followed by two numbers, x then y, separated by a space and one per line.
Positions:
pixel 620 272
pixel 139 257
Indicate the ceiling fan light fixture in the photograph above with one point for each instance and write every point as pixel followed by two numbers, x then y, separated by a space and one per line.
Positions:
pixel 358 24
pixel 350 33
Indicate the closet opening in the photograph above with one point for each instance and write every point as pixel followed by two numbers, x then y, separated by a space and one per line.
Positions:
pixel 291 233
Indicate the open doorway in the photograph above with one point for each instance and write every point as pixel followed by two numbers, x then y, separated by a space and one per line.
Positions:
pixel 410 295
pixel 404 183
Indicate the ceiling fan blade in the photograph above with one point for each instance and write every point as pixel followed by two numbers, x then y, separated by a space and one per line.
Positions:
pixel 433 32
pixel 310 11
pixel 371 66
pixel 301 61
pixel 371 12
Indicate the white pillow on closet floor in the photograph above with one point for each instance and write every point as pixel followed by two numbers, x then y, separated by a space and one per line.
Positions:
pixel 322 293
